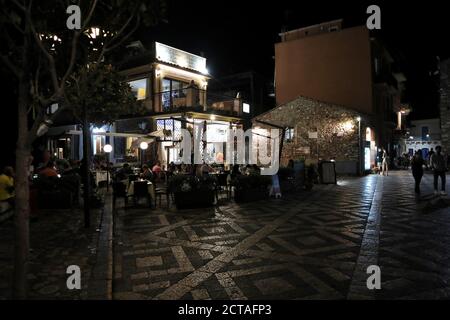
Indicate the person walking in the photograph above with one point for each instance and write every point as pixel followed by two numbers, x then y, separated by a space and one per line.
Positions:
pixel 417 164
pixel 384 163
pixel 439 166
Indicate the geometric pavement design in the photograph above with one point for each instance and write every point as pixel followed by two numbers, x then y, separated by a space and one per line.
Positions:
pixel 310 245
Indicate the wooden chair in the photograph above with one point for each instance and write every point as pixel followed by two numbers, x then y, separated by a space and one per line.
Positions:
pixel 160 191
pixel 141 191
pixel 119 191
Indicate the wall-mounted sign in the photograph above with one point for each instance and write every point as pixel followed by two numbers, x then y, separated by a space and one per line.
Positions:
pixel 312 135
pixel 180 58
pixel 304 150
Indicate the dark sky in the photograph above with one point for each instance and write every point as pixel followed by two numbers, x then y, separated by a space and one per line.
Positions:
pixel 240 36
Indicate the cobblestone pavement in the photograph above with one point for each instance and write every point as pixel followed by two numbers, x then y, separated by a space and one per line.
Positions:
pixel 58 239
pixel 314 245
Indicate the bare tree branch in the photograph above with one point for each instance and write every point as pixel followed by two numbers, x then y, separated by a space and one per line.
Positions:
pixel 89 16
pixel 19 5
pixel 108 47
pixel 51 60
pixel 125 38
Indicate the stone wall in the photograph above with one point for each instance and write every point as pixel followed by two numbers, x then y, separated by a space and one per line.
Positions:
pixel 445 106
pixel 336 127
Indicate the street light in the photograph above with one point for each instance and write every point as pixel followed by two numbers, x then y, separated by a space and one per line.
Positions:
pixel 143 145
pixel 358 118
pixel 107 148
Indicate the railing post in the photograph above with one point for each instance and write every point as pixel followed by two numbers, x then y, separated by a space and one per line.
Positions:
pixel 190 94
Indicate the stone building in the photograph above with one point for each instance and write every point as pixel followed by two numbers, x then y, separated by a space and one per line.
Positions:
pixel 445 105
pixel 316 130
pixel 348 67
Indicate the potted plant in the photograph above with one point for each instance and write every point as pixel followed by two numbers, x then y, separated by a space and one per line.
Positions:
pixel 251 187
pixel 191 191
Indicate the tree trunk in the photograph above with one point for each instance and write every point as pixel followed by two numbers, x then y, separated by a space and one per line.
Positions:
pixel 86 173
pixel 22 210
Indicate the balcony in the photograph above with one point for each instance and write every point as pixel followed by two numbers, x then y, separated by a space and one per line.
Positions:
pixel 194 99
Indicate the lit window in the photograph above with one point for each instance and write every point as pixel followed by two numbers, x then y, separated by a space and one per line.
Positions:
pixel 289 135
pixel 246 108
pixel 139 88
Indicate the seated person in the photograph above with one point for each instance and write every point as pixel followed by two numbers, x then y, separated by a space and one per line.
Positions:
pixel 206 169
pixel 157 167
pixel 7 185
pixel 49 170
pixel 146 174
pixel 124 172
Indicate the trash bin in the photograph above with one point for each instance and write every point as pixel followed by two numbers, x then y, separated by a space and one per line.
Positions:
pixel 327 172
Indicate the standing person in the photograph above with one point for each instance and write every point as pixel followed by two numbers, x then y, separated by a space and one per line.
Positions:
pixel 384 163
pixel 439 166
pixel 417 164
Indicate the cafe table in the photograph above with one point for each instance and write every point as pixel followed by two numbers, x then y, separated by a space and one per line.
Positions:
pixel 101 175
pixel 150 186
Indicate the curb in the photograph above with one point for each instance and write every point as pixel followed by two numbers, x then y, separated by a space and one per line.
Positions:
pixel 100 282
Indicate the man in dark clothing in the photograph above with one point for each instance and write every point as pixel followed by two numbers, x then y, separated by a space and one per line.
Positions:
pixel 439 166
pixel 417 164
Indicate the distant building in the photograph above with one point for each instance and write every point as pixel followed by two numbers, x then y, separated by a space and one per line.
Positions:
pixel 445 105
pixel 253 88
pixel 422 134
pixel 347 68
pixel 317 130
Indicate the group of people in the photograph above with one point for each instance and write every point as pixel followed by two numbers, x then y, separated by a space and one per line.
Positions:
pixel 437 163
pixel 146 173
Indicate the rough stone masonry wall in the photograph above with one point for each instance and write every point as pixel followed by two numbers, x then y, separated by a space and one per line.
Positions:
pixel 335 139
pixel 445 106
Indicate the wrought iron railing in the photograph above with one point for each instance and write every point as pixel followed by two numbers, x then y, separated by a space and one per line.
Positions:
pixel 192 98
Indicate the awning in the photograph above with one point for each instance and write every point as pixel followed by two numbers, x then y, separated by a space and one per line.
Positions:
pixel 136 143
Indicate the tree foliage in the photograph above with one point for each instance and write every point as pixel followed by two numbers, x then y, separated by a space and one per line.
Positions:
pixel 104 92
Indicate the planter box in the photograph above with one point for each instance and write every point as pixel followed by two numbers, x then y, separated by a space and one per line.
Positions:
pixel 194 199
pixel 241 196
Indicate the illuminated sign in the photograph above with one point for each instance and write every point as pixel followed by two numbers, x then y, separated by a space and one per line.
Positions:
pixel 367 158
pixel 180 58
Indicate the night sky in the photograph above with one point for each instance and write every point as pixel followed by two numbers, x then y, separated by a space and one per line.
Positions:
pixel 239 36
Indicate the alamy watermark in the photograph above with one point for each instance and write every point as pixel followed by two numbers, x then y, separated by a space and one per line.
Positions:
pixel 74 280
pixel 241 148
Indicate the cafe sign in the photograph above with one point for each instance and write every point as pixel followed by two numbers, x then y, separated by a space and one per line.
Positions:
pixel 165 53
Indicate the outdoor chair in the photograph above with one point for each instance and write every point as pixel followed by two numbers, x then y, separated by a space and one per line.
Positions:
pixel 222 185
pixel 160 191
pixel 141 191
pixel 119 191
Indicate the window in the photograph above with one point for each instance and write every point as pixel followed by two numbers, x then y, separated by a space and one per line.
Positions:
pixel 245 108
pixel 139 88
pixel 169 124
pixel 289 135
pixel 173 93
pixel 52 109
pixel 332 29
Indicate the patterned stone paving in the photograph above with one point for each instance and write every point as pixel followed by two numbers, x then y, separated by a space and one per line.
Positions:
pixel 314 245
pixel 58 239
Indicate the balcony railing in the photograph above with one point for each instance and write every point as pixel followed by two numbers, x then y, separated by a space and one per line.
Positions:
pixel 195 99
